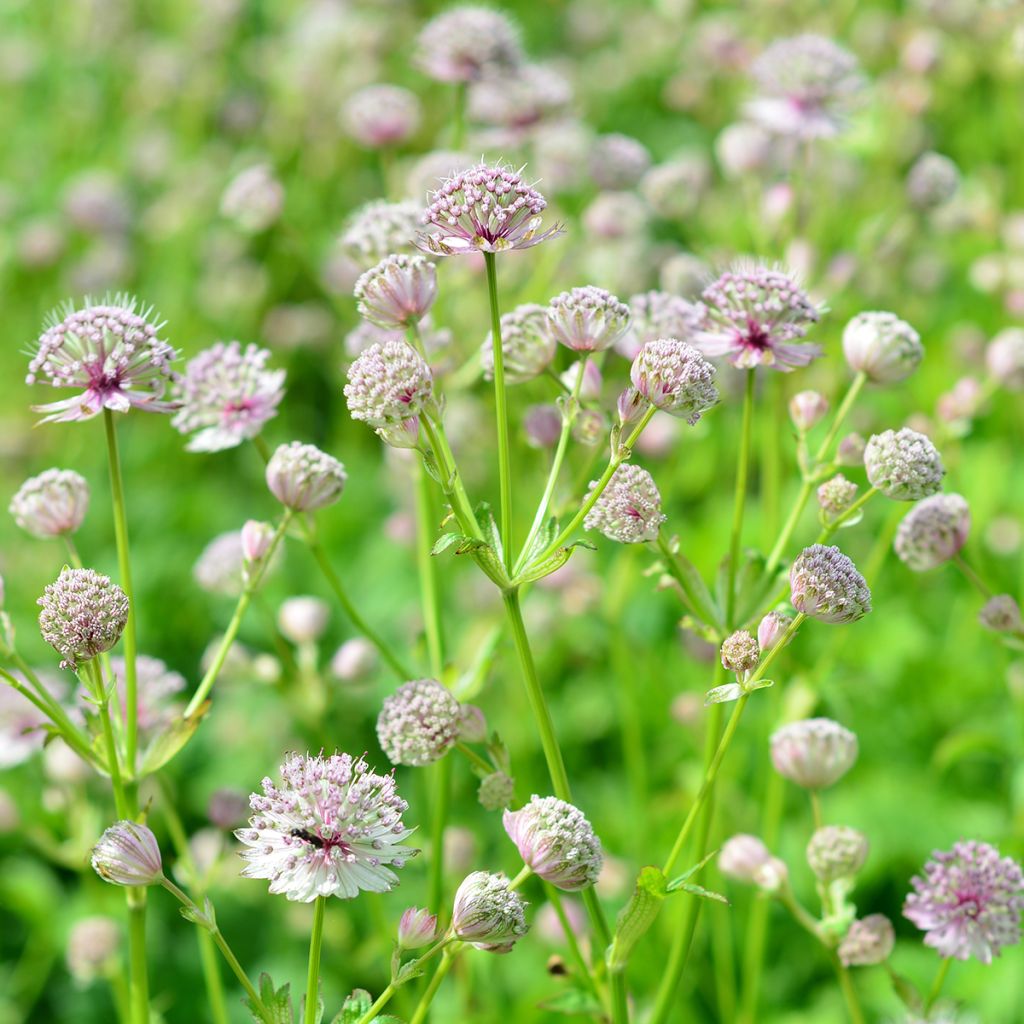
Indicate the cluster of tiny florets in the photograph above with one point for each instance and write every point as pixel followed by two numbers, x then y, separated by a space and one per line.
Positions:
pixel 825 585
pixel 868 941
pixel 835 496
pixel 51 504
pixel 556 842
pixel 388 384
pixel 882 346
pixel 419 723
pixel 933 531
pixel 814 752
pixel 933 180
pixel 1001 614
pixel 587 319
pixel 378 229
pixel 656 315
pixel 903 464
pixel 674 377
pixel 381 115
pixel 487 913
pixel 629 508
pixel 304 478
pixel 527 346
pixel 397 292
pixel 740 652
pixel 462 44
pixel 836 851
pixel 226 395
pixel 83 614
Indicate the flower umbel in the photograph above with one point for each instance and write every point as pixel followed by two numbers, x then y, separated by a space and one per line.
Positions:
pixel 51 504
pixel 675 377
pixel 629 508
pixel 303 478
pixel 825 585
pixel 903 464
pixel 527 346
pixel 419 723
pixel 397 292
pixel 83 614
pixel 488 913
pixel 933 531
pixel 814 753
pixel 332 828
pixel 556 842
pixel 388 384
pixel 587 319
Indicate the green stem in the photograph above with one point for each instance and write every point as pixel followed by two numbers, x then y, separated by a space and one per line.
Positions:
pixel 474 758
pixel 819 820
pixel 849 992
pixel 113 761
pixel 501 409
pixel 771 462
pixel 555 899
pixel 451 484
pixel 856 386
pixel 828 531
pixel 334 582
pixel 382 1000
pixel 695 594
pixel 442 779
pixel 423 1007
pixel 739 501
pixel 524 873
pixel 74 558
pixel 313 973
pixel 975 580
pixel 125 571
pixel 940 979
pixel 138 977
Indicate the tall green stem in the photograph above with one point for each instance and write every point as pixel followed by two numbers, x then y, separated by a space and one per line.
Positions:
pixel 92 670
pixel 423 1007
pixel 313 972
pixel 972 577
pixel 740 499
pixel 451 480
pixel 138 977
pixel 940 979
pixel 849 992
pixel 501 409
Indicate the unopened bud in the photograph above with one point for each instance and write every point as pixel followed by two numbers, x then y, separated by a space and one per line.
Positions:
pixel 837 851
pixel 256 538
pixel 417 927
pixel 128 854
pixel 806 409
pixel 771 629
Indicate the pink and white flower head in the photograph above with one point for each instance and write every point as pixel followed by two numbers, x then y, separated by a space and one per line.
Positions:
pixel 488 914
pixel 92 947
pixel 303 619
pixel 825 585
pixel 398 292
pixel 806 87
pixel 111 353
pixel 932 181
pixel 304 478
pixel 220 567
pixel 463 43
pixel 253 199
pixel 419 723
pixel 226 395
pixel 814 753
pixel 388 384
pixel 128 854
pixel 807 409
pixel 754 315
pixel 882 346
pixel 933 531
pixel 745 858
pixel 52 504
pixel 587 319
pixel 656 315
pixel 836 851
pixel 378 116
pixel 1004 358
pixel 256 538
pixel 23 727
pixel 868 941
pixel 674 377
pixel 417 928
pixel 629 508
pixel 354 660
pixel 83 614
pixel 771 629
pixel 520 99
pixel 618 161
pixel 1001 614
pixel 378 229
pixel 527 346
pixel 903 464
pixel 556 842
pixel 968 901
pixel 332 827
pixel 484 209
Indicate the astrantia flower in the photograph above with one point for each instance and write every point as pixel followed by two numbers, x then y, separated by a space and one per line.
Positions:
pixel 128 854
pixel 219 567
pixel 378 229
pixel 933 531
pixel 814 753
pixel 882 346
pixel 227 394
pixel 460 44
pixel 675 378
pixel 527 346
pixel 388 384
pixel 835 496
pixel 969 902
pixel 156 687
pixel 556 842
pixel 397 292
pixel 1004 358
pixel 806 87
pixel 629 508
pixel 1001 614
pixel 618 161
pixel 51 504
pixel 587 319
pixel 487 913
pixel 836 851
pixel 656 315
pixel 381 115
pixel 868 941
pixel 825 585
pixel 753 313
pixel 111 353
pixel 83 614
pixel 304 478
pixel 932 181
pixel 419 723
pixel 23 727
pixel 740 652
pixel 253 199
pixel 807 409
pixel 496 791
pixel 745 858
pixel 332 828
pixel 484 209
pixel 417 928
pixel 903 464
pixel 518 100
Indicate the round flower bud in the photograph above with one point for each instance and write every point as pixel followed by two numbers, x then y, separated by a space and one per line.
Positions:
pixel 417 928
pixel 83 614
pixel 836 851
pixel 51 504
pixel 354 660
pixel 674 377
pixel 256 538
pixel 814 753
pixel 746 859
pixel 933 531
pixel 542 425
pixel 381 115
pixel 1004 358
pixel 419 723
pixel 903 464
pixel 227 808
pixel 851 450
pixel 629 508
pixel 590 427
pixel 302 620
pixel 398 292
pixel 587 319
pixel 932 181
pixel 527 347
pixel 487 913
pixel 92 943
pixel 868 941
pixel 303 478
pixel 825 585
pixel 128 854
pixel 771 628
pixel 740 652
pixel 618 161
pixel 806 409
pixel 835 496
pixel 496 791
pixel 556 842
pixel 882 346
pixel 461 44
pixel 387 384
pixel 472 724
pixel 1001 614
pixel 253 199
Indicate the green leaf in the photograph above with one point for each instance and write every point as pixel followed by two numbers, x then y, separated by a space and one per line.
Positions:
pixel 695 590
pixel 758 684
pixel 445 541
pixel 637 916
pixel 689 873
pixel 167 744
pixel 573 1002
pixel 907 992
pixel 355 1007
pixel 551 564
pixel 276 1002
pixel 485 517
pixel 699 890
pixel 723 694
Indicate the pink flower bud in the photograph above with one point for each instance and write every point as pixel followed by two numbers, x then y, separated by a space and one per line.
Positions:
pixel 472 724
pixel 806 409
pixel 771 628
pixel 417 928
pixel 256 537
pixel 128 854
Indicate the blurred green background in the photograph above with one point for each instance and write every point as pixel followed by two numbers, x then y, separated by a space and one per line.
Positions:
pixel 123 124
